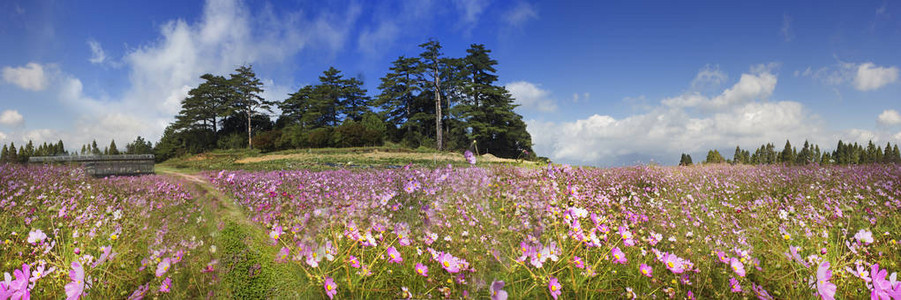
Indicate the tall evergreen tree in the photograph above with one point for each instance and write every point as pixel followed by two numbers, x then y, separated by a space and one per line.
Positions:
pixel 13 156
pixel 113 150
pixel 205 104
pixel 432 72
pixel 246 100
pixel 4 155
pixel 488 108
pixel 399 90
pixel 354 103
pixel 786 155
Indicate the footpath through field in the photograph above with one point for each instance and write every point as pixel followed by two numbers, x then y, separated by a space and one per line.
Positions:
pixel 248 271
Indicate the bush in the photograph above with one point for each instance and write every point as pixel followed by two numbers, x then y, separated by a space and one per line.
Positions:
pixel 267 141
pixel 319 137
pixel 233 141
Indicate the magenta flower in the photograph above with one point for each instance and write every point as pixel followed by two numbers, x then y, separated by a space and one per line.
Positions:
pixel 163 266
pixel 646 270
pixel 283 255
pixel 825 289
pixel 578 262
pixel 618 256
pixel 75 288
pixel 276 233
pixel 140 292
pixel 16 289
pixel 36 236
pixel 354 262
pixel 761 293
pixel 103 256
pixel 554 286
pixel 331 288
pixel 449 262
pixel 882 289
pixel 496 290
pixel 674 263
pixel 422 269
pixel 164 287
pixel 394 255
pixel 737 266
pixel 722 256
pixel 736 288
pixel 864 236
pixel 469 157
pixel 626 235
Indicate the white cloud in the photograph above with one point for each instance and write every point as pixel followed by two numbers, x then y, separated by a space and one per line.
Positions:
pixel 11 117
pixel 470 10
pixel 889 117
pixel 863 77
pixel 97 54
pixel 758 85
pixel 870 77
pixel 520 14
pixel 531 97
pixel 709 77
pixel 786 30
pixel 379 40
pixel 2 136
pixel 742 117
pixel 30 77
pixel 581 97
pixel 161 72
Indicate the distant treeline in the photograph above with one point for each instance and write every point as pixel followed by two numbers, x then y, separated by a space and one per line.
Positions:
pixel 10 154
pixel 843 154
pixel 428 100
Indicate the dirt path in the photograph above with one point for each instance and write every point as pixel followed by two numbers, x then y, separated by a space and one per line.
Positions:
pixel 247 270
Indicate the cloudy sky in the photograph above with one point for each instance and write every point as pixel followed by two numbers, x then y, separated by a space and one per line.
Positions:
pixel 599 82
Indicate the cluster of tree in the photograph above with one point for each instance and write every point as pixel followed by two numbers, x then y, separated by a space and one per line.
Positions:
pixel 428 100
pixel 138 146
pixel 842 155
pixel 9 154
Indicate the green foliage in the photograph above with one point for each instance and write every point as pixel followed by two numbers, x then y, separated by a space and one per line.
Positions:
pixel 267 141
pixel 714 157
pixel 319 137
pixel 247 275
pixel 685 160
pixel 139 146
pixel 113 150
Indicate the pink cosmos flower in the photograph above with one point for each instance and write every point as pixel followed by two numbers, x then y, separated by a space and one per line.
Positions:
pixel 276 233
pixel 163 266
pixel 882 289
pixel 422 269
pixel 578 262
pixel 722 256
pixel 449 262
pixel 761 293
pixel 496 290
pixel 331 288
pixel 554 286
pixel 139 293
pixel 825 289
pixel 75 288
pixel 164 287
pixel 282 255
pixel 104 256
pixel 673 263
pixel 469 157
pixel 394 255
pixel 646 270
pixel 627 236
pixel 864 236
pixel 736 288
pixel 618 256
pixel 16 289
pixel 354 262
pixel 36 236
pixel 737 266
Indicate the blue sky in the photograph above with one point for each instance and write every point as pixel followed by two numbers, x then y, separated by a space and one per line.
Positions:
pixel 599 82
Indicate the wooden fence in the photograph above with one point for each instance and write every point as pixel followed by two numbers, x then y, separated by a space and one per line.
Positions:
pixel 104 165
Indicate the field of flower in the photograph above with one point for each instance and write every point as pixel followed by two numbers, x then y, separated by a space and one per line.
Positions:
pixel 63 233
pixel 573 233
pixel 453 232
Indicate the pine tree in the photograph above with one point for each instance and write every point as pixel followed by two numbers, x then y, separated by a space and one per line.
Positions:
pixel 4 155
pixel 112 148
pixel 432 72
pixel 13 157
pixel 896 154
pixel 399 90
pixel 354 103
pixel 786 156
pixel 246 100
pixel 60 148
pixel 94 149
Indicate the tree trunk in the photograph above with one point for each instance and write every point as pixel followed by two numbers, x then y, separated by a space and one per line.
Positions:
pixel 438 129
pixel 249 137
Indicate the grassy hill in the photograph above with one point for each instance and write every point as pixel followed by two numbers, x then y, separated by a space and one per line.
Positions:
pixel 330 158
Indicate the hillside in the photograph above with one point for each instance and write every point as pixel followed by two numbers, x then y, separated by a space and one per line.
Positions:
pixel 330 158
